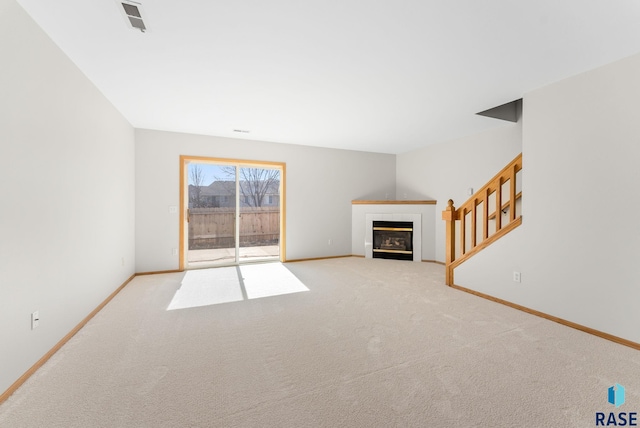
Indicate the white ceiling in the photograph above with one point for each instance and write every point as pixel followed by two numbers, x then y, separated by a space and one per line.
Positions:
pixel 383 76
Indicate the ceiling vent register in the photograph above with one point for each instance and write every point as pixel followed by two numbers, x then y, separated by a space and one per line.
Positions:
pixel 134 14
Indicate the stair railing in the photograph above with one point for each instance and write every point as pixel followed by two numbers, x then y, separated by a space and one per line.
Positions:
pixel 468 236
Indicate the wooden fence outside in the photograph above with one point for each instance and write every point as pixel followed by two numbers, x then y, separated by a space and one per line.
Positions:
pixel 215 227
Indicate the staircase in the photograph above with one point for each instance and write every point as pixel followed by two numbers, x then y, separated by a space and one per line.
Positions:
pixel 485 217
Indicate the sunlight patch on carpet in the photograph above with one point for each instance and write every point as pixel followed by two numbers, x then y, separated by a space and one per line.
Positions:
pixel 214 286
pixel 270 279
pixel 205 287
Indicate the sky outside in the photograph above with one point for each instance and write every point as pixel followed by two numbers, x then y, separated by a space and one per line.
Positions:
pixel 210 173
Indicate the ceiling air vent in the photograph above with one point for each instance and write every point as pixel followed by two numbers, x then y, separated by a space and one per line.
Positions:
pixel 134 14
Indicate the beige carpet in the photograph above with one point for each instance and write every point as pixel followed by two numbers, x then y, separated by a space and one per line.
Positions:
pixel 353 343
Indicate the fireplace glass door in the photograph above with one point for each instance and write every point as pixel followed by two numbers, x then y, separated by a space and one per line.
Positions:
pixel 393 240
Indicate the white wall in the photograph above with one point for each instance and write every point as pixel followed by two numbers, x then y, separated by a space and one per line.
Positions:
pixel 577 247
pixel 445 171
pixel 66 194
pixel 321 183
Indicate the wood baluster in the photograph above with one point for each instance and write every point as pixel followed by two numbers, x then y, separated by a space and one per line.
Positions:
pixel 485 213
pixel 512 194
pixel 474 222
pixel 463 224
pixel 499 204
pixel 449 215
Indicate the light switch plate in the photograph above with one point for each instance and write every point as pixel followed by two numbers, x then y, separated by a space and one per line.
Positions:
pixel 35 320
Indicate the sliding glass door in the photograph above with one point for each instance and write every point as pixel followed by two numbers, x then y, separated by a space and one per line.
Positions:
pixel 233 212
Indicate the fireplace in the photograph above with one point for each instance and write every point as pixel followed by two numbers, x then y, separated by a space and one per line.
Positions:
pixel 393 240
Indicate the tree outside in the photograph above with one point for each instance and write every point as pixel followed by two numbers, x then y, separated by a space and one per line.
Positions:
pixel 197 179
pixel 213 186
pixel 255 184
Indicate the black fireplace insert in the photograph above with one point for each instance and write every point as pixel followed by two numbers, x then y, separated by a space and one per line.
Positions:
pixel 393 240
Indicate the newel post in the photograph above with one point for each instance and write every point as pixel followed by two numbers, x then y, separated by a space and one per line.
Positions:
pixel 449 215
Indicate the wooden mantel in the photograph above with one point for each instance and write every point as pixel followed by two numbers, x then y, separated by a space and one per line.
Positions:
pixel 387 202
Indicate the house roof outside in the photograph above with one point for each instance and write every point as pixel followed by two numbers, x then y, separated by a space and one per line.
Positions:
pixel 223 187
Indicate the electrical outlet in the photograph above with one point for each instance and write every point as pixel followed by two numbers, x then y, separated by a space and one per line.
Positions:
pixel 173 209
pixel 330 241
pixel 470 191
pixel 516 276
pixel 35 320
pixel 123 261
pixel 174 251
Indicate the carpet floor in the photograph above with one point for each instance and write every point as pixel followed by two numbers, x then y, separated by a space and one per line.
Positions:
pixel 331 343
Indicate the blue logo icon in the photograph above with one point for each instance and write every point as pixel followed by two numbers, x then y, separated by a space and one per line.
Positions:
pixel 616 395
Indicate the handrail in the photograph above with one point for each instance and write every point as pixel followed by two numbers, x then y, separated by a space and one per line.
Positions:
pixel 481 197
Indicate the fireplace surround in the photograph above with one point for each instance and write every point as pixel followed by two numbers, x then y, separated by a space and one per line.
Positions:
pixel 422 213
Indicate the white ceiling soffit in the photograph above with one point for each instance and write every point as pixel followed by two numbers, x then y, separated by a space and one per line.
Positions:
pixel 354 74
